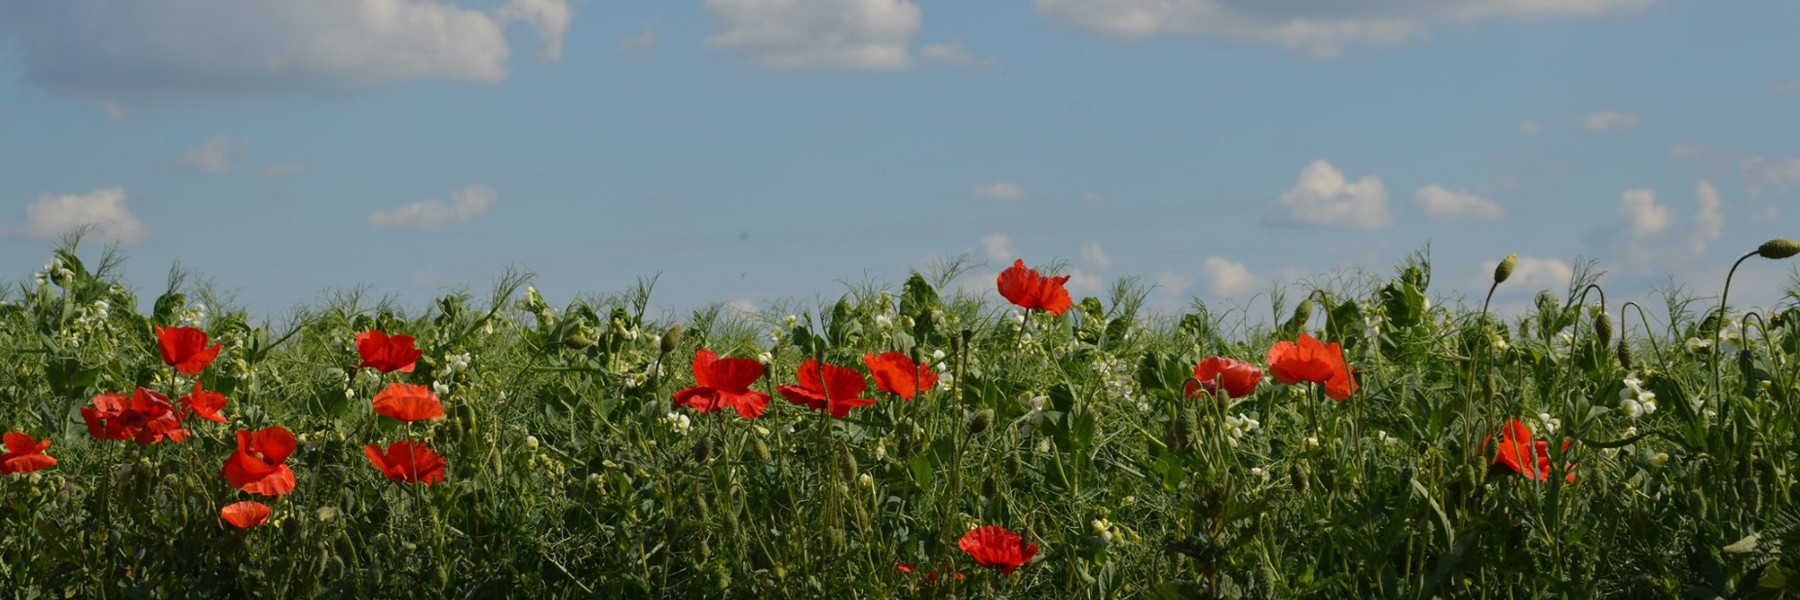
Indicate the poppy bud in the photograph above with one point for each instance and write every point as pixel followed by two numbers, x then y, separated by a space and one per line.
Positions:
pixel 671 339
pixel 1623 350
pixel 980 420
pixel 1777 249
pixel 967 335
pixel 917 355
pixel 1299 477
pixel 1302 313
pixel 1014 463
pixel 1505 268
pixel 1603 328
pixel 847 461
pixel 761 450
pixel 702 450
pixel 989 488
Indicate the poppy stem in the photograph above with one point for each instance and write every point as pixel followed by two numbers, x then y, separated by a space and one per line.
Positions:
pixel 1718 355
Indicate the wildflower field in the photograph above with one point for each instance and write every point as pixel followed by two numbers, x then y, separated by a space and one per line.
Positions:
pixel 899 442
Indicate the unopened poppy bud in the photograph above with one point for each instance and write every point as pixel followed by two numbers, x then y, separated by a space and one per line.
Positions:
pixel 847 460
pixel 967 335
pixel 1299 477
pixel 917 355
pixel 980 420
pixel 1603 328
pixel 1505 268
pixel 1302 313
pixel 671 339
pixel 1778 249
pixel 989 488
pixel 1623 350
pixel 761 449
pixel 702 450
pixel 1014 463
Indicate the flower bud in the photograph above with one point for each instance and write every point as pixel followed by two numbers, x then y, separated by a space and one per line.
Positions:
pixel 1303 312
pixel 1505 268
pixel 760 449
pixel 1778 249
pixel 1623 350
pixel 1603 328
pixel 980 420
pixel 671 339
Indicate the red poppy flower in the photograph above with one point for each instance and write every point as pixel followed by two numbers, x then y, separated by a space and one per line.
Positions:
pixel 257 466
pixel 408 402
pixel 146 416
pixel 1240 377
pixel 1026 288
pixel 204 404
pixel 1310 360
pixel 722 382
pixel 895 373
pixel 1519 454
pixel 24 454
pixel 408 461
pixel 387 354
pixel 836 393
pixel 994 546
pixel 904 568
pixel 245 515
pixel 185 349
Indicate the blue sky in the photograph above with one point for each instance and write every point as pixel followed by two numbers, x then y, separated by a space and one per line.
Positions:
pixel 750 150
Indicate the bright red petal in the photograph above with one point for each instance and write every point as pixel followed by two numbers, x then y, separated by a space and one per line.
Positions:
pixel 245 515
pixel 703 364
pixel 735 375
pixel 408 402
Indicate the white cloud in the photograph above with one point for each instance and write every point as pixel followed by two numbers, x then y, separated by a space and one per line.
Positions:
pixel 1609 121
pixel 177 50
pixel 1641 214
pixel 1440 204
pixel 1228 278
pixel 643 42
pixel 550 18
pixel 285 167
pixel 802 34
pixel 1529 127
pixel 1709 220
pixel 104 209
pixel 1532 273
pixel 954 52
pixel 1324 198
pixel 1318 29
pixel 999 248
pixel 1083 283
pixel 214 155
pixel 741 306
pixel 466 204
pixel 1171 284
pixel 1093 254
pixel 1001 190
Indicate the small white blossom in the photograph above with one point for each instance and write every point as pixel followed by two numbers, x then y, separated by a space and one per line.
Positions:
pixel 678 423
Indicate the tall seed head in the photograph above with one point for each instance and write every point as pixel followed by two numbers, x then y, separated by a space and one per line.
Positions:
pixel 1505 268
pixel 1777 249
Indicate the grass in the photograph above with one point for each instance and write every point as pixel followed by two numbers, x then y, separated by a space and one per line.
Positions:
pixel 572 475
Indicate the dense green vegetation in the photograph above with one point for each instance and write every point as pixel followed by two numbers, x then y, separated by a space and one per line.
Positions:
pixel 572 474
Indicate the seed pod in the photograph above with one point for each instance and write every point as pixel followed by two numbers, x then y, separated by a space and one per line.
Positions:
pixel 1623 350
pixel 980 420
pixel 967 335
pixel 671 339
pixel 1778 249
pixel 1603 328
pixel 761 449
pixel 1505 268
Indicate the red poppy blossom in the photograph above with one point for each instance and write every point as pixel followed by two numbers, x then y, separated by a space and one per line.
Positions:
pixel 904 568
pixel 24 454
pixel 408 402
pixel 836 393
pixel 407 461
pixel 1519 454
pixel 1026 288
pixel 257 466
pixel 387 354
pixel 1310 360
pixel 1240 378
pixel 722 382
pixel 895 373
pixel 146 416
pixel 205 404
pixel 245 515
pixel 185 349
pixel 994 546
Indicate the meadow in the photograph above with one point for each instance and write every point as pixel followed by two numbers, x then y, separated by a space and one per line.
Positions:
pixel 904 441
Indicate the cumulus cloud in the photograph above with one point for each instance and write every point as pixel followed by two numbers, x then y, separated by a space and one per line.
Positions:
pixel 803 34
pixel 1441 204
pixel 1532 273
pixel 1227 277
pixel 178 50
pixel 464 205
pixel 643 42
pixel 1318 29
pixel 1093 254
pixel 1641 214
pixel 1083 283
pixel 1324 198
pixel 103 209
pixel 1001 190
pixel 1708 222
pixel 1646 238
pixel 214 155
pixel 999 248
pixel 1609 121
pixel 954 52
